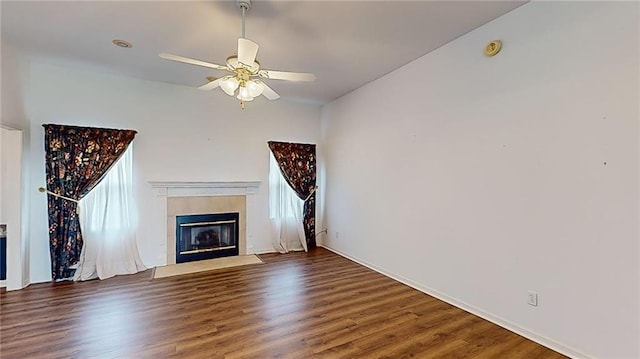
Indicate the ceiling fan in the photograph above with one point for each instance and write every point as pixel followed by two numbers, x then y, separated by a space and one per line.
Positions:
pixel 246 75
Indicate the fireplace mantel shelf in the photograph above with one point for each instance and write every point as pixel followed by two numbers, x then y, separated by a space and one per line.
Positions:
pixel 205 184
pixel 195 188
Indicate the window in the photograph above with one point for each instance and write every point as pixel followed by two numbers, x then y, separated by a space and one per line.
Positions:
pixel 285 211
pixel 108 222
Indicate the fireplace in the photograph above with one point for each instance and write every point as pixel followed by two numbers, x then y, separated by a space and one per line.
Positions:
pixel 206 236
pixel 188 197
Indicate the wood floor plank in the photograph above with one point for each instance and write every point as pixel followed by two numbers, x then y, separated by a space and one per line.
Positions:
pixel 298 305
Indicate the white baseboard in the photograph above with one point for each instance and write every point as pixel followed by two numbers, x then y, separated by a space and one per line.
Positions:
pixel 3 283
pixel 264 251
pixel 560 348
pixel 23 285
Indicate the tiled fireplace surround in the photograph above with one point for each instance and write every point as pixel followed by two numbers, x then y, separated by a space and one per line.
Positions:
pixel 183 198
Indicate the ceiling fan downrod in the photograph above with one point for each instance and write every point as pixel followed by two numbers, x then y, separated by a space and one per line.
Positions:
pixel 244 5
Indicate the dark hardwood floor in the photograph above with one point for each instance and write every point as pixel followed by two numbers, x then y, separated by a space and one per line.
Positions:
pixel 297 305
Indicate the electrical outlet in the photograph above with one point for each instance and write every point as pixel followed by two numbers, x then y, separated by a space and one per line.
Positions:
pixel 337 234
pixel 532 298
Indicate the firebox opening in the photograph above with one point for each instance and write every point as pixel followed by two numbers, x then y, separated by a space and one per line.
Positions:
pixel 206 236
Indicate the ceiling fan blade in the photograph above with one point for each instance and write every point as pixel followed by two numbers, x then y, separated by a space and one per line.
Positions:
pixel 211 85
pixel 187 60
pixel 247 51
pixel 288 76
pixel 269 93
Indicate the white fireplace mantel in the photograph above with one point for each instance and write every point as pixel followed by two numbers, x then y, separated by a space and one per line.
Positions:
pixel 204 188
pixel 166 189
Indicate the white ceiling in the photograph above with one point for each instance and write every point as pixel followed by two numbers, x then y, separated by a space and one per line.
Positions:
pixel 345 43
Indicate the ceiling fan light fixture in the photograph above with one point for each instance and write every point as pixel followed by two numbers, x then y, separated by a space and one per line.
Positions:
pixel 229 85
pixel 244 95
pixel 255 88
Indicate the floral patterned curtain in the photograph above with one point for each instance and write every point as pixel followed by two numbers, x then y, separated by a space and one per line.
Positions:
pixel 297 164
pixel 76 160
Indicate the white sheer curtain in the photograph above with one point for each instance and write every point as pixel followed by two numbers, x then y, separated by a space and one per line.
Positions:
pixel 108 223
pixel 285 211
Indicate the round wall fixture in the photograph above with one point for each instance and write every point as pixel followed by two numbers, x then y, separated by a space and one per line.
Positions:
pixel 493 48
pixel 122 43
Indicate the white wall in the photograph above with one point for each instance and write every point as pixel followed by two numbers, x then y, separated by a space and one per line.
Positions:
pixel 14 76
pixel 184 134
pixel 11 205
pixel 13 116
pixel 478 179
